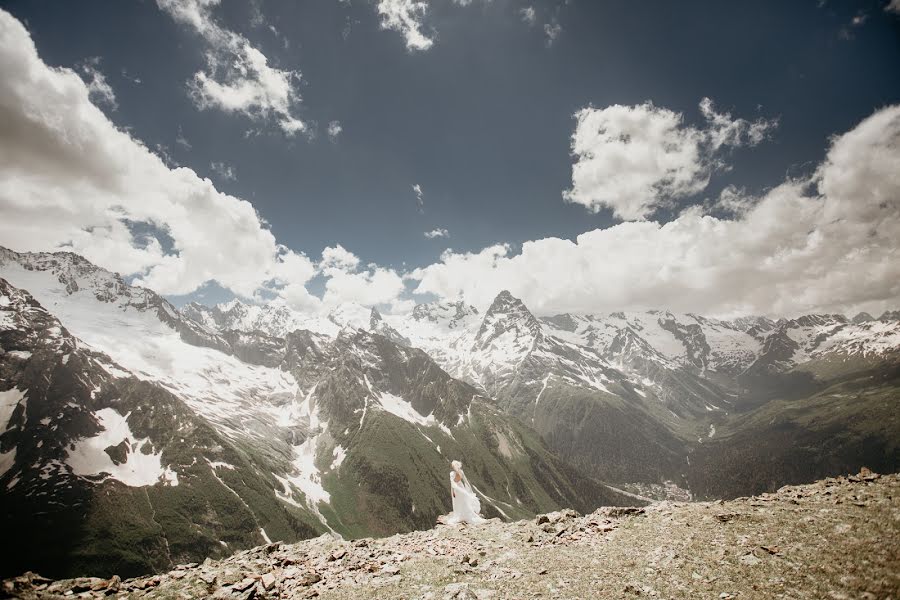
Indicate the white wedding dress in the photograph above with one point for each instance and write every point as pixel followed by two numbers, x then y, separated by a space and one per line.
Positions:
pixel 466 506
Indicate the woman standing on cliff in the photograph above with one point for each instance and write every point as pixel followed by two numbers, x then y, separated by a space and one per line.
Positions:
pixel 466 506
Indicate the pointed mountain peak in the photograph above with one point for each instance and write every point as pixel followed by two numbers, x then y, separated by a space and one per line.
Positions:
pixel 863 317
pixel 506 303
pixel 507 314
pixel 374 318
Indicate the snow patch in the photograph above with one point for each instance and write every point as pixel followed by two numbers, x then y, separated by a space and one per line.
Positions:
pixel 339 455
pixel 399 407
pixel 217 464
pixel 89 457
pixel 7 460
pixel 9 400
pixel 543 387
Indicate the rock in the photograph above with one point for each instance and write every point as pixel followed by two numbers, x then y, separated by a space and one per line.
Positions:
pixel 268 581
pixel 208 578
pixel 616 512
pixel 337 554
pixel 230 577
pixel 244 584
pixel 101 584
pixel 310 578
pixel 867 475
pixel 726 517
pixel 489 561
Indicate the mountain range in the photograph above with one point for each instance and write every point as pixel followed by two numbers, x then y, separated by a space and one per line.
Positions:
pixel 135 435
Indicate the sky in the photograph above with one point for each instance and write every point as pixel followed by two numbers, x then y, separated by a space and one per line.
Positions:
pixel 589 156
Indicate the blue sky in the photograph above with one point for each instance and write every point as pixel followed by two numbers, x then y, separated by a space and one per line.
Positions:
pixel 482 120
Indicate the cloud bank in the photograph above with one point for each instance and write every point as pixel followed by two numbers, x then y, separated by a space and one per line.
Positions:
pixel 828 242
pixel 69 179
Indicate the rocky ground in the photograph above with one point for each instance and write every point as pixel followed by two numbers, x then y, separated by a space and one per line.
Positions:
pixel 837 538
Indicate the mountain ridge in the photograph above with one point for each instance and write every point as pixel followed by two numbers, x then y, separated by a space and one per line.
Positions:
pixel 352 434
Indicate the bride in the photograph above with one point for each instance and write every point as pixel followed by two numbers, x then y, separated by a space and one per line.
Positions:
pixel 466 506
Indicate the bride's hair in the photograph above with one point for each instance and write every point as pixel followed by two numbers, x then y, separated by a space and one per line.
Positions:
pixel 457 466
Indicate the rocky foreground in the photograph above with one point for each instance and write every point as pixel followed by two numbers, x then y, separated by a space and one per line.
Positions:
pixel 837 538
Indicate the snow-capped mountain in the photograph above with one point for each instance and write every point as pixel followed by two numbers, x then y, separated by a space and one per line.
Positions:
pixel 812 338
pixel 289 425
pixel 115 468
pixel 106 403
pixel 649 383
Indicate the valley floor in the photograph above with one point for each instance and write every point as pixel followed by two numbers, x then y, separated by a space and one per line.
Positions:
pixel 837 538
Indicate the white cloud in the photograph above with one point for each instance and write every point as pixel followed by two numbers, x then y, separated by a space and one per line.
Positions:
pixel 735 202
pixel 225 172
pixel 369 287
pixel 826 243
pixel 439 232
pixel 338 258
pixel 528 15
pixel 405 17
pixel 99 89
pixel 893 6
pixel 238 78
pixel 334 130
pixel 420 197
pixel 552 30
pixel 69 179
pixel 636 159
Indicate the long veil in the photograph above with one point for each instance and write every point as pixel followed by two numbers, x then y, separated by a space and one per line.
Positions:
pixel 465 481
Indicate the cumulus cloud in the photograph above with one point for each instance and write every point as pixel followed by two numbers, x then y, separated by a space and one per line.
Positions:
pixel 440 232
pixel 824 243
pixel 371 286
pixel 338 258
pixel 637 159
pixel 238 78
pixel 69 179
pixel 405 17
